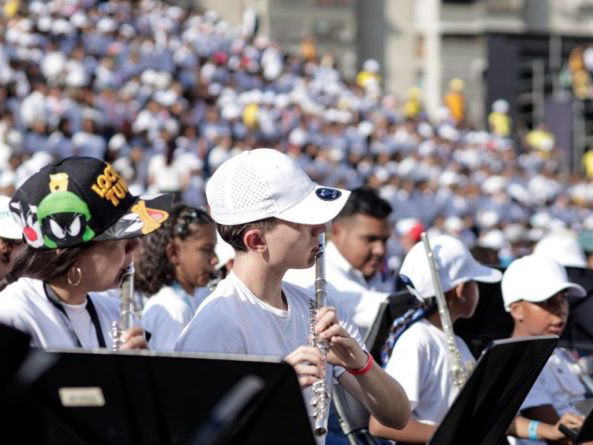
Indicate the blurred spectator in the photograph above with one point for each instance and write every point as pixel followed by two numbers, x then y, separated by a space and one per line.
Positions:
pixel 455 100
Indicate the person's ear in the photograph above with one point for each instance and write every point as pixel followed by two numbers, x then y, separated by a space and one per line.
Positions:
pixel 516 311
pixel 458 293
pixel 254 240
pixel 452 296
pixel 172 252
pixel 337 230
pixel 5 251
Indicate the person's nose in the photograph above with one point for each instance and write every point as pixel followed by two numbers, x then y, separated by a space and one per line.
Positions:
pixel 379 248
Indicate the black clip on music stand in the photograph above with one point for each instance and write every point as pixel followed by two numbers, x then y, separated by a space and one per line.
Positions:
pixel 584 434
pixel 493 393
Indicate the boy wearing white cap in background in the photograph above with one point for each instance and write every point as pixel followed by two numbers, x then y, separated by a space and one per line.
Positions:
pixel 11 241
pixel 422 347
pixel 269 210
pixel 534 290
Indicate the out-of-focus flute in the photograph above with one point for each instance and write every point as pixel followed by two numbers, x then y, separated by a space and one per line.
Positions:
pixel 456 366
pixel 127 315
pixel 320 399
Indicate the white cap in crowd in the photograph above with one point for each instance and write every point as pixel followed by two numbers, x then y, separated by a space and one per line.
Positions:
pixel 265 183
pixel 455 263
pixel 536 278
pixel 9 228
pixel 562 246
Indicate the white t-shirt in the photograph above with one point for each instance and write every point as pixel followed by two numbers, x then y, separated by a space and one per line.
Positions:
pixel 359 298
pixel 558 385
pixel 233 320
pixel 25 306
pixel 420 363
pixel 165 315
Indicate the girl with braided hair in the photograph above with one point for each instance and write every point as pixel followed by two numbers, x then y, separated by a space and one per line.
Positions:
pixel 177 260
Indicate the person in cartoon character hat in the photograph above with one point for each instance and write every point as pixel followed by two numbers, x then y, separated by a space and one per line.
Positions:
pixel 81 226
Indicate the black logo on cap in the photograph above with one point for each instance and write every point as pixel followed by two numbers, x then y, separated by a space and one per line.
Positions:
pixel 328 194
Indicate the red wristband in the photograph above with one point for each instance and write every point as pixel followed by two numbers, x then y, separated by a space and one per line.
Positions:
pixel 366 368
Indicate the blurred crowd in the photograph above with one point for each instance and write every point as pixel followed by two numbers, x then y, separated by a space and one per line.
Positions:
pixel 168 94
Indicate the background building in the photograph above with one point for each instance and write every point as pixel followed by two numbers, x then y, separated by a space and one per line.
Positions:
pixel 516 50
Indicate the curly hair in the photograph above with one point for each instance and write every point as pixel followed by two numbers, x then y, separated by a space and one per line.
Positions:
pixel 154 270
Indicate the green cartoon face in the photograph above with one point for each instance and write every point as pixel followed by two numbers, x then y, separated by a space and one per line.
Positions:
pixel 64 220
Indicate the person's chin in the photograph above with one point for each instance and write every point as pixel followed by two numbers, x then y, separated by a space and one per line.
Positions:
pixel 202 282
pixel 369 272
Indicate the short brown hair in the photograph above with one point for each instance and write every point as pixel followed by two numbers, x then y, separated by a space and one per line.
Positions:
pixel 234 234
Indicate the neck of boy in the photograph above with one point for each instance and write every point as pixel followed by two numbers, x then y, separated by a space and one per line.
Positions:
pixel 435 318
pixel 68 294
pixel 264 282
pixel 518 331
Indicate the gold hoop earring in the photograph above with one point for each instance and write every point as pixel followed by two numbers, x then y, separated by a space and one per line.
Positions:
pixel 72 282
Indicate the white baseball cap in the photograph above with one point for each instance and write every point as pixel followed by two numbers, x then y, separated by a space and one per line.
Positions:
pixel 9 228
pixel 265 183
pixel 455 264
pixel 536 278
pixel 561 246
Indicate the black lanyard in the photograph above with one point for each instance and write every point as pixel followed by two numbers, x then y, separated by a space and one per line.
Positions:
pixel 90 307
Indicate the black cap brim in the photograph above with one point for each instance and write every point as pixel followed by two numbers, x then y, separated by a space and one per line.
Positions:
pixel 146 215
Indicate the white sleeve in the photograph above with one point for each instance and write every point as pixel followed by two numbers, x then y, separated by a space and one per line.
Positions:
pixel 407 365
pixel 11 318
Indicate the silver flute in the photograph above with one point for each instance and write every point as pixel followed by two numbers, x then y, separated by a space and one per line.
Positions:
pixel 320 399
pixel 127 315
pixel 456 366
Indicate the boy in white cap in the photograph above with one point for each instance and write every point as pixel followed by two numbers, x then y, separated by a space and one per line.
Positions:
pixel 11 240
pixel 534 290
pixel 268 209
pixel 422 344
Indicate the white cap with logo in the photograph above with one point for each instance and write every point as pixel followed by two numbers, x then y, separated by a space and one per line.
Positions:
pixel 265 183
pixel 455 263
pixel 536 278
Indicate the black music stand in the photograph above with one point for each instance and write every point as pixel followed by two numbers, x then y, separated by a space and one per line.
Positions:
pixel 157 399
pixel 20 367
pixel 493 394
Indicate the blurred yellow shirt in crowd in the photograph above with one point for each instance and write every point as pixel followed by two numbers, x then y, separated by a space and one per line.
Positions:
pixel 250 115
pixel 588 163
pixel 500 124
pixel 11 7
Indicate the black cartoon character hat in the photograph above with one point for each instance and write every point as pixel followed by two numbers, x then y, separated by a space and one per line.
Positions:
pixel 82 199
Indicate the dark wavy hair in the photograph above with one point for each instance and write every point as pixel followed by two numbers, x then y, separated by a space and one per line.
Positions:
pixel 46 265
pixel 154 270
